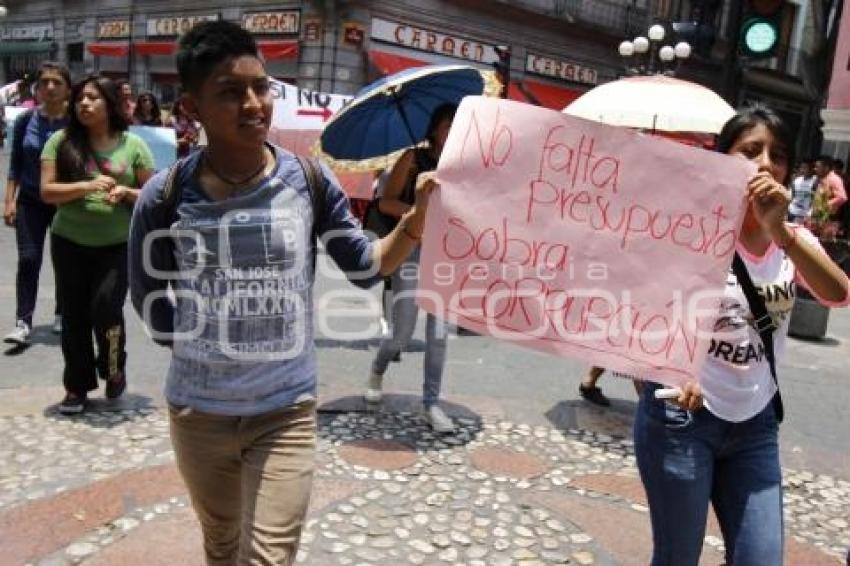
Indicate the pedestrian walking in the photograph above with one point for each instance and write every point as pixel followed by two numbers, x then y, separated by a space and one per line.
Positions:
pixel 242 382
pixel 24 208
pixel 93 170
pixel 717 441
pixel 146 112
pixel 590 391
pixel 26 93
pixel 186 130
pixel 830 184
pixel 125 97
pixel 396 200
pixel 803 192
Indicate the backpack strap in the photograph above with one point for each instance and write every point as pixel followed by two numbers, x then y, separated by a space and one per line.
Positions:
pixel 171 193
pixel 167 202
pixel 318 191
pixel 19 129
pixel 763 323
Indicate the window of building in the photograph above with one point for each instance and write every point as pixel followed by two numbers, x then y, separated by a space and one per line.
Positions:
pixel 76 52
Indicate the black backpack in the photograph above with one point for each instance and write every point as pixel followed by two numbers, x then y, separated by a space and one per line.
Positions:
pixel 19 129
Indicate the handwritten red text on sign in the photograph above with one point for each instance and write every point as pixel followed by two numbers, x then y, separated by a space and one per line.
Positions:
pixel 581 239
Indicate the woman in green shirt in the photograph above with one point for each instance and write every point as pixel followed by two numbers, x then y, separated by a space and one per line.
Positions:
pixel 93 171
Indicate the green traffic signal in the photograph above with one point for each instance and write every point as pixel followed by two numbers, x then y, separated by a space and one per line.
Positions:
pixel 759 37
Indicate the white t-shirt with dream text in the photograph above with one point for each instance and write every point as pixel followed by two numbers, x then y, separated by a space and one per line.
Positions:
pixel 736 380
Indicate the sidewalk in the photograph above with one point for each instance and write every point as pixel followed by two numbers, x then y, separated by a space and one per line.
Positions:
pixel 102 489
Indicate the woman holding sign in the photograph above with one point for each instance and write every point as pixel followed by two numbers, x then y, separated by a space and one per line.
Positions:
pixel 93 171
pixel 716 440
pixel 397 199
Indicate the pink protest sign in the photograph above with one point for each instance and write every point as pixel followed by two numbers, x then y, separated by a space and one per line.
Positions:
pixel 581 239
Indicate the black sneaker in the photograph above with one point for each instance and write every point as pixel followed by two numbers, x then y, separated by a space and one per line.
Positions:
pixel 72 404
pixel 594 395
pixel 116 385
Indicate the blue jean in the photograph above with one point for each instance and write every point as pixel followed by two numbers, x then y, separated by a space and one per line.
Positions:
pixel 687 459
pixel 31 225
pixel 404 313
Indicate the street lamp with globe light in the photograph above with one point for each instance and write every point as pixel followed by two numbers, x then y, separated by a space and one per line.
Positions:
pixel 650 57
pixel 656 33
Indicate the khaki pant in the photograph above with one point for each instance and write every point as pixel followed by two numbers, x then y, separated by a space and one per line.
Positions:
pixel 249 479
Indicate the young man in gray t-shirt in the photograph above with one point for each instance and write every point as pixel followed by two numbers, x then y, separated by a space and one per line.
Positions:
pixel 238 253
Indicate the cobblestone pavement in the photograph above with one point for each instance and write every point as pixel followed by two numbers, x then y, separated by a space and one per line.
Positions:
pixel 388 490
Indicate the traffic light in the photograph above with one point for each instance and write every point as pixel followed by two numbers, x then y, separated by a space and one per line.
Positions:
pixel 760 27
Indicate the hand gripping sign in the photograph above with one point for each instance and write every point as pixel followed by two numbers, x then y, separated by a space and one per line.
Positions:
pixel 581 239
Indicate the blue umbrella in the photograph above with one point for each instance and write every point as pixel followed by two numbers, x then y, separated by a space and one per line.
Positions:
pixel 392 114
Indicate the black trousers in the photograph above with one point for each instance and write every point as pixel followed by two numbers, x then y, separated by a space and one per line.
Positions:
pixel 94 288
pixel 31 226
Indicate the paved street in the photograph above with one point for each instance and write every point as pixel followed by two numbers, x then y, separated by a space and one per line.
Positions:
pixel 533 476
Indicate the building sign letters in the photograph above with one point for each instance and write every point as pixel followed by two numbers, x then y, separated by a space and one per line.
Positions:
pixel 113 29
pixel 432 41
pixel 177 25
pixel 283 22
pixel 559 69
pixel 38 32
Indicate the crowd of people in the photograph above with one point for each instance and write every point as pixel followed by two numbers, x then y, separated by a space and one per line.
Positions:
pixel 48 108
pixel 243 425
pixel 819 196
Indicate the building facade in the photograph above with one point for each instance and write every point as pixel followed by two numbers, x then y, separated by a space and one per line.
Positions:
pixel 791 80
pixel 558 48
pixel 836 115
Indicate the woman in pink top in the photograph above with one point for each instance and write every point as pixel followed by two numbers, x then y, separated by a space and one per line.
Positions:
pixel 831 184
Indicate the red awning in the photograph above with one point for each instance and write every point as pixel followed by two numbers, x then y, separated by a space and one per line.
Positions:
pixel 279 49
pixel 550 96
pixel 116 49
pixel 389 63
pixel 269 49
pixel 154 47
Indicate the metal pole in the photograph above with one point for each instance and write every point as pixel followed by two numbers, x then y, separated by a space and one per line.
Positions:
pixel 400 106
pixel 130 48
pixel 731 82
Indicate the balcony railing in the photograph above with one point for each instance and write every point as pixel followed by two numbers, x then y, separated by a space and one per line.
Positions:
pixel 620 17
